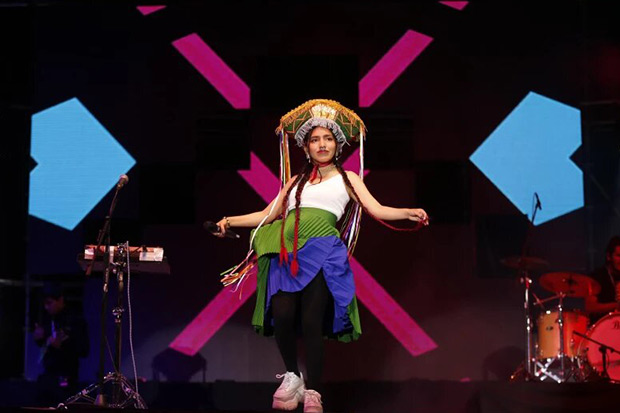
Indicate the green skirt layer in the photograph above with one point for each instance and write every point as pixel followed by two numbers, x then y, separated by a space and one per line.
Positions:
pixel 313 223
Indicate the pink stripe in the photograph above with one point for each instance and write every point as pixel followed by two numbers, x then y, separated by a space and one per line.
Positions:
pixel 146 10
pixel 213 68
pixel 459 5
pixel 387 70
pixel 212 318
pixel 261 179
pixel 353 163
pixel 391 315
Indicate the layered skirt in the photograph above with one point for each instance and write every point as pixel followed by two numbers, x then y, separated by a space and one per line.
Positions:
pixel 319 249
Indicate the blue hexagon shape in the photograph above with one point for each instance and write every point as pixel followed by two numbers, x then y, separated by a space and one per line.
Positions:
pixel 530 152
pixel 79 161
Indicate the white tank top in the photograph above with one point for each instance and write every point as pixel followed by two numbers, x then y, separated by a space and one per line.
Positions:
pixel 330 195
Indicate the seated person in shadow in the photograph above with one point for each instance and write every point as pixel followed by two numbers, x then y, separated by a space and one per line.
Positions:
pixel 62 335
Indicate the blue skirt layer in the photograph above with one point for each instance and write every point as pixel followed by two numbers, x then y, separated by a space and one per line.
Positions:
pixel 321 253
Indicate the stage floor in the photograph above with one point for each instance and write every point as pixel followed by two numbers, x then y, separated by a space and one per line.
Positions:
pixel 419 396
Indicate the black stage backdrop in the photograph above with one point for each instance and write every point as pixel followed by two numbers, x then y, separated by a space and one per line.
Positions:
pixel 189 142
pixel 16 78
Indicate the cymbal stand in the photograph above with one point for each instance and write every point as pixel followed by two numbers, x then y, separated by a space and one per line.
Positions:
pixel 562 354
pixel 526 371
pixel 527 281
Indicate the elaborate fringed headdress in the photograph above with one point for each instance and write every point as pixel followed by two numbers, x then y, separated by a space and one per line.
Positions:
pixel 344 123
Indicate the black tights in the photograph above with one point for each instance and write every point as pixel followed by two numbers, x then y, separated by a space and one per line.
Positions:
pixel 312 301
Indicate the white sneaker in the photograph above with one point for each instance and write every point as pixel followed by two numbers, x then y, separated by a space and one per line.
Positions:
pixel 290 392
pixel 312 402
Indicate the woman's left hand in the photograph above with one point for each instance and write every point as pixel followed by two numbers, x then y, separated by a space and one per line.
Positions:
pixel 418 215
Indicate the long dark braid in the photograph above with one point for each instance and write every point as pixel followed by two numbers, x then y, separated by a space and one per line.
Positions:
pixel 300 187
pixel 300 181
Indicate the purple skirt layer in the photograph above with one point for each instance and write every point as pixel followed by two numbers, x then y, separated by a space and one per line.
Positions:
pixel 328 254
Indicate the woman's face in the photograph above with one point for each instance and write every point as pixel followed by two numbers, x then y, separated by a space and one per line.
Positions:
pixel 321 145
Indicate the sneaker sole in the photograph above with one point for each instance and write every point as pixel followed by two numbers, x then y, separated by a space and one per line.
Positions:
pixel 285 405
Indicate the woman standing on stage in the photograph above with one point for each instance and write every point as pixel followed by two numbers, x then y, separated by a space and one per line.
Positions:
pixel 303 267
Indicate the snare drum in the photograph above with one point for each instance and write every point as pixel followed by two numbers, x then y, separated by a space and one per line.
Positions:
pixel 606 331
pixel 548 345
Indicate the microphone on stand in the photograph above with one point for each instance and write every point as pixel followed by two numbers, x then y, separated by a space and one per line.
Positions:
pixel 214 229
pixel 538 204
pixel 122 181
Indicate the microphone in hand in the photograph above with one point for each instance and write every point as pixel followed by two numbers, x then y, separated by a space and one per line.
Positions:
pixel 214 229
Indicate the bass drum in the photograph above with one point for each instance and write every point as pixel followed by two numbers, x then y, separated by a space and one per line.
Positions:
pixel 606 331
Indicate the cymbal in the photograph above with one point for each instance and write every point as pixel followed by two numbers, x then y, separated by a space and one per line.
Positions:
pixel 525 263
pixel 571 284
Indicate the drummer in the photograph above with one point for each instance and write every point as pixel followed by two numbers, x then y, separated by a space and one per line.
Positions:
pixel 608 277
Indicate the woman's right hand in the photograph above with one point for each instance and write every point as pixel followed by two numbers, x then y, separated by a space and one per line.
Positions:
pixel 222 225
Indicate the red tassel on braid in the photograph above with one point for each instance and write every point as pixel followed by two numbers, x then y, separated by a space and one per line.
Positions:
pixel 307 176
pixel 283 254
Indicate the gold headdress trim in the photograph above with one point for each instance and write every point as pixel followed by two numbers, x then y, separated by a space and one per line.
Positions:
pixel 345 118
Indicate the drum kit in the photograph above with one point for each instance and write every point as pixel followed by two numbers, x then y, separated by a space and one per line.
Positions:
pixel 566 347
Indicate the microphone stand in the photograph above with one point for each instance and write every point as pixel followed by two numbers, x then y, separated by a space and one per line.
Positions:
pixel 527 281
pixel 104 233
pixel 603 349
pixel 121 385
